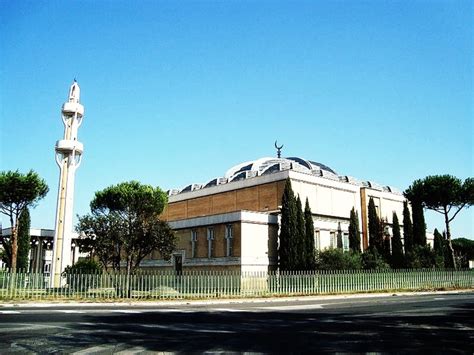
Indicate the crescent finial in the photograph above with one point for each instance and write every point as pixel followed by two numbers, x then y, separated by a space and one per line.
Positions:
pixel 278 149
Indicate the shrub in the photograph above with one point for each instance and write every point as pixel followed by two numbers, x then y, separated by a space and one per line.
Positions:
pixel 372 260
pixel 464 251
pixel 336 259
pixel 422 257
pixel 84 266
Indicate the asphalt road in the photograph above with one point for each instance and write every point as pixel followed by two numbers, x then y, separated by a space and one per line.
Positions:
pixel 434 323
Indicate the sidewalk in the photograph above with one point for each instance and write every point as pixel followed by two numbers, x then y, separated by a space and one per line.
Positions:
pixel 151 303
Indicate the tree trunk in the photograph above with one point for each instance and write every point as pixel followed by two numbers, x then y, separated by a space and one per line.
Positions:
pixel 129 271
pixel 448 237
pixel 14 243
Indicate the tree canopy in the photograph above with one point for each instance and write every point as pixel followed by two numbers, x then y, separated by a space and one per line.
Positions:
pixel 124 225
pixel 17 192
pixel 445 194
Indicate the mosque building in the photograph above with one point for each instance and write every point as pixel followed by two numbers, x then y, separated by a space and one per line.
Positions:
pixel 228 223
pixel 232 222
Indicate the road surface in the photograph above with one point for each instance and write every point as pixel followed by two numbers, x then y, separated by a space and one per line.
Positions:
pixel 430 323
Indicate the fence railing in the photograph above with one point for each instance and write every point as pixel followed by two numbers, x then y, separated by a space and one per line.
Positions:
pixel 193 284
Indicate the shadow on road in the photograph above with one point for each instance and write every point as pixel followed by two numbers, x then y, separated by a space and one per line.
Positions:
pixel 283 332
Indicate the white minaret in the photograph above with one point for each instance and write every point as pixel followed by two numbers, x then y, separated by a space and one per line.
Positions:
pixel 68 156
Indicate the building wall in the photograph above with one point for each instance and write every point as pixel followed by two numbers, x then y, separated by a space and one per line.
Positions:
pixel 259 247
pixel 265 197
pixel 219 260
pixel 258 229
pixel 326 197
pixel 219 244
pixel 326 230
pixel 386 203
pixel 330 202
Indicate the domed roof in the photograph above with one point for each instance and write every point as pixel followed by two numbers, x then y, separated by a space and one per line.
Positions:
pixel 270 165
pixel 267 165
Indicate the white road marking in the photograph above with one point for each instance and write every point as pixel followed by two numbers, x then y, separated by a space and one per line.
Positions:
pixel 135 350
pixel 96 350
pixel 229 310
pixel 68 311
pixel 10 312
pixel 21 327
pixel 174 310
pixel 439 298
pixel 296 307
pixel 131 311
pixel 186 329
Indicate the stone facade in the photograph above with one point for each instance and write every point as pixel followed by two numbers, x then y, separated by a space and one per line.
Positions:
pixel 264 198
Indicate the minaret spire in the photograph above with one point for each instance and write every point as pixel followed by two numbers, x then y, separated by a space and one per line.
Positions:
pixel 68 157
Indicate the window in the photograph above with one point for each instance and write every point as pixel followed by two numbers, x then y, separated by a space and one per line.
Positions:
pixel 193 243
pixel 229 236
pixel 317 240
pixel 332 240
pixel 377 206
pixel 210 242
pixel 345 242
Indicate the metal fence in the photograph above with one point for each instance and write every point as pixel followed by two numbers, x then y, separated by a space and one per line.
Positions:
pixel 212 284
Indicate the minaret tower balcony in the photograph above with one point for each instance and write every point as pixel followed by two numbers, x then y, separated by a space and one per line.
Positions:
pixel 68 146
pixel 70 108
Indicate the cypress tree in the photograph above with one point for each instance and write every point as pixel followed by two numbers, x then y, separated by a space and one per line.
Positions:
pixel 448 260
pixel 438 243
pixel 374 228
pixel 340 245
pixel 398 260
pixel 287 228
pixel 383 239
pixel 309 237
pixel 407 229
pixel 419 225
pixel 354 235
pixel 23 240
pixel 300 238
pixel 439 246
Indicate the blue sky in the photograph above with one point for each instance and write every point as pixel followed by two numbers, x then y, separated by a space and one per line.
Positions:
pixel 178 92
